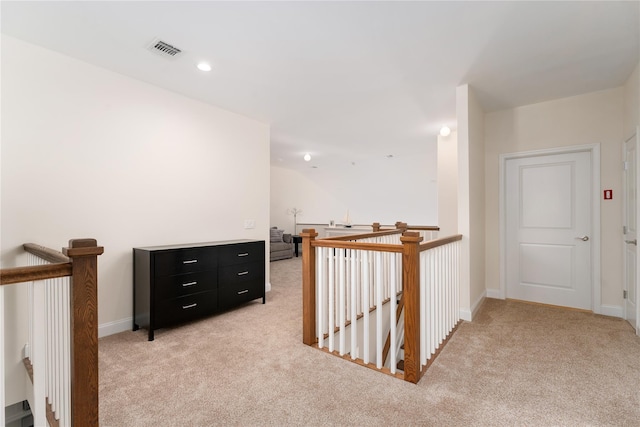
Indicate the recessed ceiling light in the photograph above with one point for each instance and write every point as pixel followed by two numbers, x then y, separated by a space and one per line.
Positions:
pixel 307 157
pixel 445 131
pixel 203 66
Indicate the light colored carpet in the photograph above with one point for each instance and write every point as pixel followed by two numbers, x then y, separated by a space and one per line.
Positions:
pixel 516 364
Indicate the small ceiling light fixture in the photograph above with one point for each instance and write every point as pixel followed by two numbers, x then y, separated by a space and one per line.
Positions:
pixel 203 66
pixel 445 131
pixel 307 157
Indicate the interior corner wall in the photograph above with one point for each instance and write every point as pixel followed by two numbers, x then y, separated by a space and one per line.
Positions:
pixel 91 153
pixel 470 117
pixel 477 200
pixel 580 120
pixel 448 184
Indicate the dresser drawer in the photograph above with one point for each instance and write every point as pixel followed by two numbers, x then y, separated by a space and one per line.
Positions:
pixel 241 273
pixel 240 292
pixel 177 310
pixel 181 261
pixel 168 287
pixel 241 253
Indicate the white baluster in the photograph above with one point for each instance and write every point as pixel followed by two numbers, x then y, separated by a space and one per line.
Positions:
pixel 379 291
pixel 2 398
pixel 424 274
pixel 432 304
pixel 38 356
pixel 331 304
pixel 66 340
pixel 354 308
pixel 321 287
pixel 392 318
pixel 365 306
pixel 341 300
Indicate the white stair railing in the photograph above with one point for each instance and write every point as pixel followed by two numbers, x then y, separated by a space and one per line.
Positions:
pixel 2 398
pixel 350 285
pixel 355 281
pixel 440 293
pixel 49 346
pixel 61 355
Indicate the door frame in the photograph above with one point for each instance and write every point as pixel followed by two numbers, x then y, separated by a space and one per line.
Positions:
pixel 635 135
pixel 594 150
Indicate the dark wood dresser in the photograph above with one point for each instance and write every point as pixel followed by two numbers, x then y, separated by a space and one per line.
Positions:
pixel 178 283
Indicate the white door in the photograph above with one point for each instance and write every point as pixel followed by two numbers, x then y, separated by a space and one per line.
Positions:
pixel 630 204
pixel 548 226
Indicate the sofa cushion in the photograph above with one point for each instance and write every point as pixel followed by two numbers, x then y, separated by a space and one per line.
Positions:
pixel 276 235
pixel 281 246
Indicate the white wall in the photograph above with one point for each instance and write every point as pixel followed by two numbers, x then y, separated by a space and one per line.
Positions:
pixel 375 189
pixel 448 184
pixel 471 202
pixel 586 119
pixel 632 103
pixel 90 153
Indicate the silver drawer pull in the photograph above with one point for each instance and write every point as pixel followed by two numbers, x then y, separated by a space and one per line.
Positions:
pixel 184 307
pixel 244 254
pixel 243 292
pixel 242 273
pixel 190 261
pixel 184 285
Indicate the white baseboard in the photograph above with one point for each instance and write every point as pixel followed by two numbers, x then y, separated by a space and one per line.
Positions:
pixel 115 327
pixel 467 314
pixel 267 287
pixel 612 310
pixel 495 293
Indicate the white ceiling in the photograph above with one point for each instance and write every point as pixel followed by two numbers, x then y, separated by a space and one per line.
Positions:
pixel 343 80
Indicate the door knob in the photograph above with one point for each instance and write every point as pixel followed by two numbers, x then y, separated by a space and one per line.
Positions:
pixel 583 238
pixel 632 242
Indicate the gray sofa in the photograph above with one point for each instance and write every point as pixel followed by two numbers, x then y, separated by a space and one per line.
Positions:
pixel 281 245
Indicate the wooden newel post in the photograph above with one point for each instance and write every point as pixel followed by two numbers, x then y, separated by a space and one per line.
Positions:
pixel 402 226
pixel 411 289
pixel 84 330
pixel 308 287
pixel 375 227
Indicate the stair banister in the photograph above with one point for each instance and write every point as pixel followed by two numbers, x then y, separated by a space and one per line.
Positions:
pixel 308 287
pixel 80 264
pixel 84 330
pixel 411 287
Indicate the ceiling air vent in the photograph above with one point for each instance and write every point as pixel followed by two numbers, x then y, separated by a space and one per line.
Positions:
pixel 164 49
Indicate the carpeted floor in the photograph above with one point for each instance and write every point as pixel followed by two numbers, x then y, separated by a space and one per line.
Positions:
pixel 515 364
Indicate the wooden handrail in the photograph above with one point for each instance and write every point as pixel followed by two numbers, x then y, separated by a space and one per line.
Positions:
pixel 363 235
pixel 61 266
pixel 45 253
pixel 440 242
pixel 9 276
pixel 339 244
pixel 402 225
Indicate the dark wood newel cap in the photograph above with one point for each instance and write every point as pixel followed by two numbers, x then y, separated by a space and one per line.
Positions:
pixel 83 247
pixel 308 232
pixel 411 236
